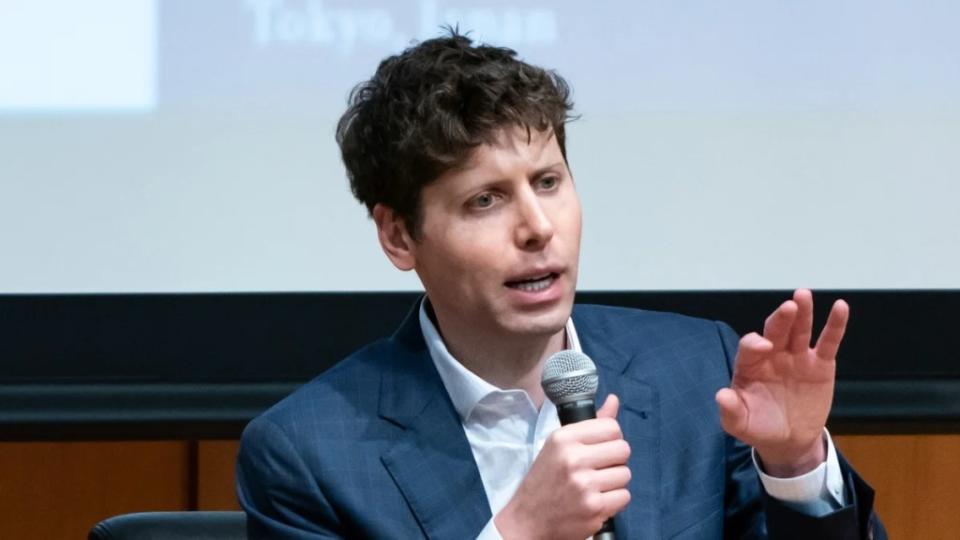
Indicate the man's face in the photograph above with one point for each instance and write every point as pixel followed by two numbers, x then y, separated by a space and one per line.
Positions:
pixel 500 239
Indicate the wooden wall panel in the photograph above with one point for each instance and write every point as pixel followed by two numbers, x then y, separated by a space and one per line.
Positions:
pixel 917 479
pixel 60 490
pixel 215 475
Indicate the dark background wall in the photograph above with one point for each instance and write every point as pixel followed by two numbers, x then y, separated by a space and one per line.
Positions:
pixel 182 365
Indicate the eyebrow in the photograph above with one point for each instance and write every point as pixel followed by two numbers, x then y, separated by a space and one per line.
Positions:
pixel 549 168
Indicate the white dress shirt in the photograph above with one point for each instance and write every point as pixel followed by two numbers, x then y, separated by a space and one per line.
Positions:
pixel 506 432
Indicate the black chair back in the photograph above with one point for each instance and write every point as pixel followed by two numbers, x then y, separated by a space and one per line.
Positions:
pixel 172 526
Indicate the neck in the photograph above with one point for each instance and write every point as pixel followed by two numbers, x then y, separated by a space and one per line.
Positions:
pixel 508 363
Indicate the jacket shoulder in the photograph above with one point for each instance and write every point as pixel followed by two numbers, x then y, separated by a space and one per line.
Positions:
pixel 654 338
pixel 349 389
pixel 617 320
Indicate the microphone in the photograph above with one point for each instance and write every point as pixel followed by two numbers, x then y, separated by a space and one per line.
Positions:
pixel 570 381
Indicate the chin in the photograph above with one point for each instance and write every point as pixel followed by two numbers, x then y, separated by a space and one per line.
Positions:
pixel 540 324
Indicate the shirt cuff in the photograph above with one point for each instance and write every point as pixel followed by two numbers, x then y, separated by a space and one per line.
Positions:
pixel 489 532
pixel 815 493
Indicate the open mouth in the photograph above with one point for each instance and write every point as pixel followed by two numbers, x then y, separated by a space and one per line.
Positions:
pixel 533 284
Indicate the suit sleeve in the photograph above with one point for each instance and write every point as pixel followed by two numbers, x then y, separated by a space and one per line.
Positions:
pixel 276 489
pixel 752 513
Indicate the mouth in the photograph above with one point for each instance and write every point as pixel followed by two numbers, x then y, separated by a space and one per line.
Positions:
pixel 534 284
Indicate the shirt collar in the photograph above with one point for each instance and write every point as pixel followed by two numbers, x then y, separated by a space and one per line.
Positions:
pixel 465 387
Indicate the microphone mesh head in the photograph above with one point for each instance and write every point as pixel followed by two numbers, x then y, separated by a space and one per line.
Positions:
pixel 569 376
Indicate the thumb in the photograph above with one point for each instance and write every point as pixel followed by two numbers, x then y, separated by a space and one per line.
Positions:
pixel 610 407
pixel 733 412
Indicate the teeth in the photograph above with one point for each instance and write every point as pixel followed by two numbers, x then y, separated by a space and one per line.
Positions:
pixel 534 286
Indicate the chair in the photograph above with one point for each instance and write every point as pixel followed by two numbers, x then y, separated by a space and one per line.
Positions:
pixel 172 526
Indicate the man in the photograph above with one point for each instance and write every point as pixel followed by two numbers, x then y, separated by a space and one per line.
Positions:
pixel 443 430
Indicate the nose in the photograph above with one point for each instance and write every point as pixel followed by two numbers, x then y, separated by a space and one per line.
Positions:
pixel 534 227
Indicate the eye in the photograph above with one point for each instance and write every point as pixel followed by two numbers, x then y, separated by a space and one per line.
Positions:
pixel 548 183
pixel 483 200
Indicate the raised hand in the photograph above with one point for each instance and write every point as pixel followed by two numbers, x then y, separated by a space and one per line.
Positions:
pixel 782 389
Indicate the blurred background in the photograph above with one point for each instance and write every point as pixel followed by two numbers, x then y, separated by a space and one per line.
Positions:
pixel 171 145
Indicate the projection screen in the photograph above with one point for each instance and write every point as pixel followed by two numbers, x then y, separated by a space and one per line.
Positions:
pixel 181 146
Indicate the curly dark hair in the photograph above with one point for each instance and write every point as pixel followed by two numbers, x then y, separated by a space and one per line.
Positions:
pixel 424 110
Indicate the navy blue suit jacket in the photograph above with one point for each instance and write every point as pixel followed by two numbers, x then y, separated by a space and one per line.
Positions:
pixel 373 448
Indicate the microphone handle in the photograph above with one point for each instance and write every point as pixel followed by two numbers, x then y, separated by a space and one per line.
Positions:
pixel 578 411
pixel 605 535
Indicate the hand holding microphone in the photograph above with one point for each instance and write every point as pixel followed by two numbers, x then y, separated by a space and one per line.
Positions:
pixel 578 481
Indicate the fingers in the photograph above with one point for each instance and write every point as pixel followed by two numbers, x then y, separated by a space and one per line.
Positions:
pixel 753 348
pixel 610 478
pixel 602 434
pixel 829 342
pixel 593 431
pixel 610 407
pixel 602 506
pixel 614 501
pixel 803 326
pixel 733 412
pixel 778 325
pixel 607 454
pixel 600 429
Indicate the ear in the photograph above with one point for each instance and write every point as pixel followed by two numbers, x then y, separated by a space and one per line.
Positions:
pixel 394 237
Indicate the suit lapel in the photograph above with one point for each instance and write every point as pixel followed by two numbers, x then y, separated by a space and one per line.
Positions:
pixel 431 461
pixel 638 417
